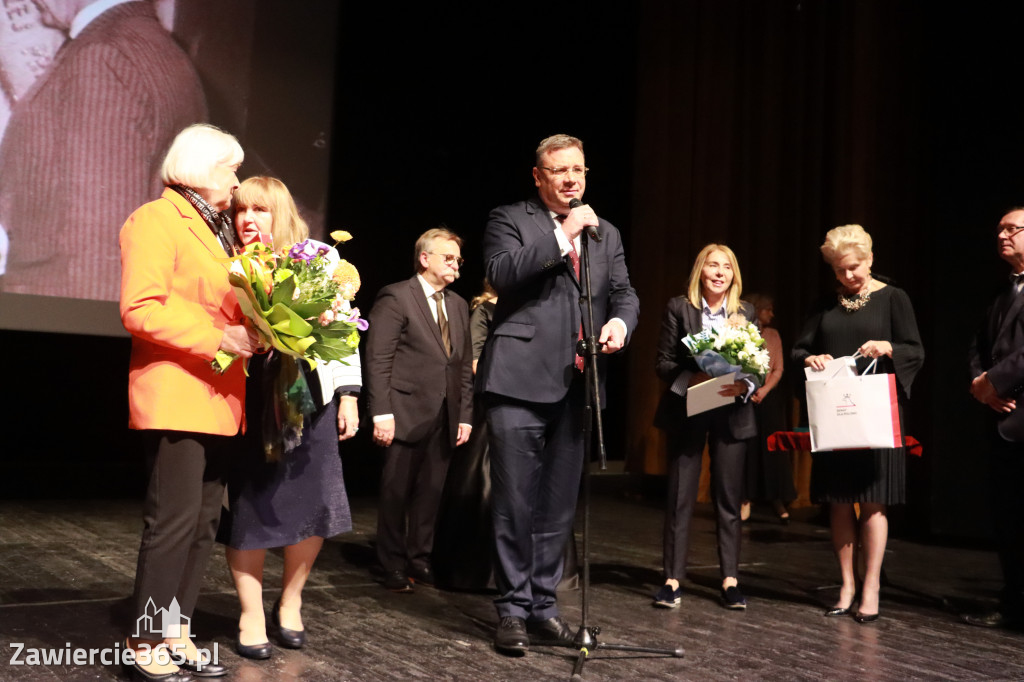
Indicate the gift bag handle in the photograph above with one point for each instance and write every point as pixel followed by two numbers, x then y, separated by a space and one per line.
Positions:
pixel 870 369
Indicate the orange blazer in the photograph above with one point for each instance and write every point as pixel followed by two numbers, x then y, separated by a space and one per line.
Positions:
pixel 175 302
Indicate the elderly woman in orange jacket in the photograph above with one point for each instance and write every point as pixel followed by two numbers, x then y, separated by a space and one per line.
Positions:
pixel 180 310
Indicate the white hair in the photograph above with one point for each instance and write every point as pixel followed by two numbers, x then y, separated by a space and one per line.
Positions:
pixel 195 152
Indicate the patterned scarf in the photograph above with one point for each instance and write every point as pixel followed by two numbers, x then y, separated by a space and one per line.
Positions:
pixel 219 223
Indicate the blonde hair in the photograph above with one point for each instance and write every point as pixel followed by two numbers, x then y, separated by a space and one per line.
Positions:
pixel 287 227
pixel 488 294
pixel 555 143
pixel 195 152
pixel 845 238
pixel 426 239
pixel 732 301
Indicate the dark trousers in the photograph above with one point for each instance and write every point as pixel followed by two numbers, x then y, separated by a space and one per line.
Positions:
pixel 536 462
pixel 180 516
pixel 685 447
pixel 410 493
pixel 1006 472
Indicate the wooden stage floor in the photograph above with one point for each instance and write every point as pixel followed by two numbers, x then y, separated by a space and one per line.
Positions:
pixel 66 569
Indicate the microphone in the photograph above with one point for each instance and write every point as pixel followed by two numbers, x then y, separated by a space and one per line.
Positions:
pixel 591 229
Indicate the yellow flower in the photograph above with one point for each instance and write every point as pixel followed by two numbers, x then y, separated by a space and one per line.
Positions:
pixel 347 277
pixel 340 236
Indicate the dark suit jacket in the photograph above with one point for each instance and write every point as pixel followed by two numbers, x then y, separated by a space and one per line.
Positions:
pixel 531 353
pixel 998 348
pixel 83 150
pixel 674 361
pixel 407 372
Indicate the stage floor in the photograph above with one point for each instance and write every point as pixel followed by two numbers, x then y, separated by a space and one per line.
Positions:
pixel 66 570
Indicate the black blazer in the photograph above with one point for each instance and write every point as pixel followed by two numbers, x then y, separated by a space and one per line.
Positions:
pixel 998 348
pixel 407 372
pixel 674 361
pixel 532 348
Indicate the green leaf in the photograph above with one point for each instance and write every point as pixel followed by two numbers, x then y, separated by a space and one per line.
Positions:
pixel 285 321
pixel 283 291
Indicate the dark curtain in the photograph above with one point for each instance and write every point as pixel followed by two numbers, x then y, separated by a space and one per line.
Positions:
pixel 762 125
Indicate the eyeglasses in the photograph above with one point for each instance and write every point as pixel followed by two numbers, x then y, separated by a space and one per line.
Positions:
pixel 449 259
pixel 1008 230
pixel 562 171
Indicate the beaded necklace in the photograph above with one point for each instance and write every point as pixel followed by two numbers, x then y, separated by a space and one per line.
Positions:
pixel 852 304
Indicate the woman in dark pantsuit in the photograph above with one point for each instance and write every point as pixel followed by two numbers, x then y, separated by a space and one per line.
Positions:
pixel 713 297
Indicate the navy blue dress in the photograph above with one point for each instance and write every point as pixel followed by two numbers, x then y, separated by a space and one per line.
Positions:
pixel 275 504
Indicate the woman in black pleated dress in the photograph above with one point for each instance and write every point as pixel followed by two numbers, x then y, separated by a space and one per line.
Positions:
pixel 877 320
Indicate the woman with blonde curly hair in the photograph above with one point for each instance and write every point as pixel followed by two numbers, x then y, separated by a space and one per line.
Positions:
pixel 868 316
pixel 299 500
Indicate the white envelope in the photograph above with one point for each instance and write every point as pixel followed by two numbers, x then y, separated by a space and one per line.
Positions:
pixel 704 396
pixel 839 367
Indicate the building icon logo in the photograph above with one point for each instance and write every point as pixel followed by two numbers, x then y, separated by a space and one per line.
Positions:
pixel 166 622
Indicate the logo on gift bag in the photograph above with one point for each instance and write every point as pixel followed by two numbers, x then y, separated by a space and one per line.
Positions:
pixel 846 402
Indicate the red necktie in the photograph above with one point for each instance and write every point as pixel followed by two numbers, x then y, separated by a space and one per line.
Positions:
pixel 576 268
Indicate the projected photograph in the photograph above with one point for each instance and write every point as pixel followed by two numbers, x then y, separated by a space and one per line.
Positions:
pixel 93 92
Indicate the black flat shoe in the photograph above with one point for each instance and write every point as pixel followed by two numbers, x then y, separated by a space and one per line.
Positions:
pixel 257 652
pixel 732 598
pixel 204 669
pixel 837 611
pixel 292 639
pixel 865 617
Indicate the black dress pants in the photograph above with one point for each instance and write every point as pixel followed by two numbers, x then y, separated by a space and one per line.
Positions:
pixel 180 516
pixel 410 494
pixel 685 450
pixel 536 462
pixel 1005 473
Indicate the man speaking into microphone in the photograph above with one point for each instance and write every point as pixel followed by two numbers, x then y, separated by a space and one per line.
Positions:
pixel 533 382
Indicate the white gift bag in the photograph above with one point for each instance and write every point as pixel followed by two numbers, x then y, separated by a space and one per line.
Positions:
pixel 839 367
pixel 854 413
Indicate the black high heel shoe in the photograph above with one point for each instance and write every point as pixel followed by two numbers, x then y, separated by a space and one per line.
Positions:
pixel 863 618
pixel 257 652
pixel 293 639
pixel 835 611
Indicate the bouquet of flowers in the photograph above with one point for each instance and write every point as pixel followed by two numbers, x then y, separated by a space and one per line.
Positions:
pixel 300 301
pixel 736 346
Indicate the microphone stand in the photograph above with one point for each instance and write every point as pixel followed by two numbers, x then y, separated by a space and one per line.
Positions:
pixel 586 637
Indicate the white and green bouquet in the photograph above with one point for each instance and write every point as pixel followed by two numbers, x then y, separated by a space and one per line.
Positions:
pixel 735 346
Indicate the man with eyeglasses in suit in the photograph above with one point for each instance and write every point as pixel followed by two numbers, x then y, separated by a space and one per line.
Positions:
pixel 533 383
pixel 418 367
pixel 997 372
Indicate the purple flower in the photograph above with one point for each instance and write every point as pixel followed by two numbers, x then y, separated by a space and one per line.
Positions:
pixel 304 250
pixel 361 324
